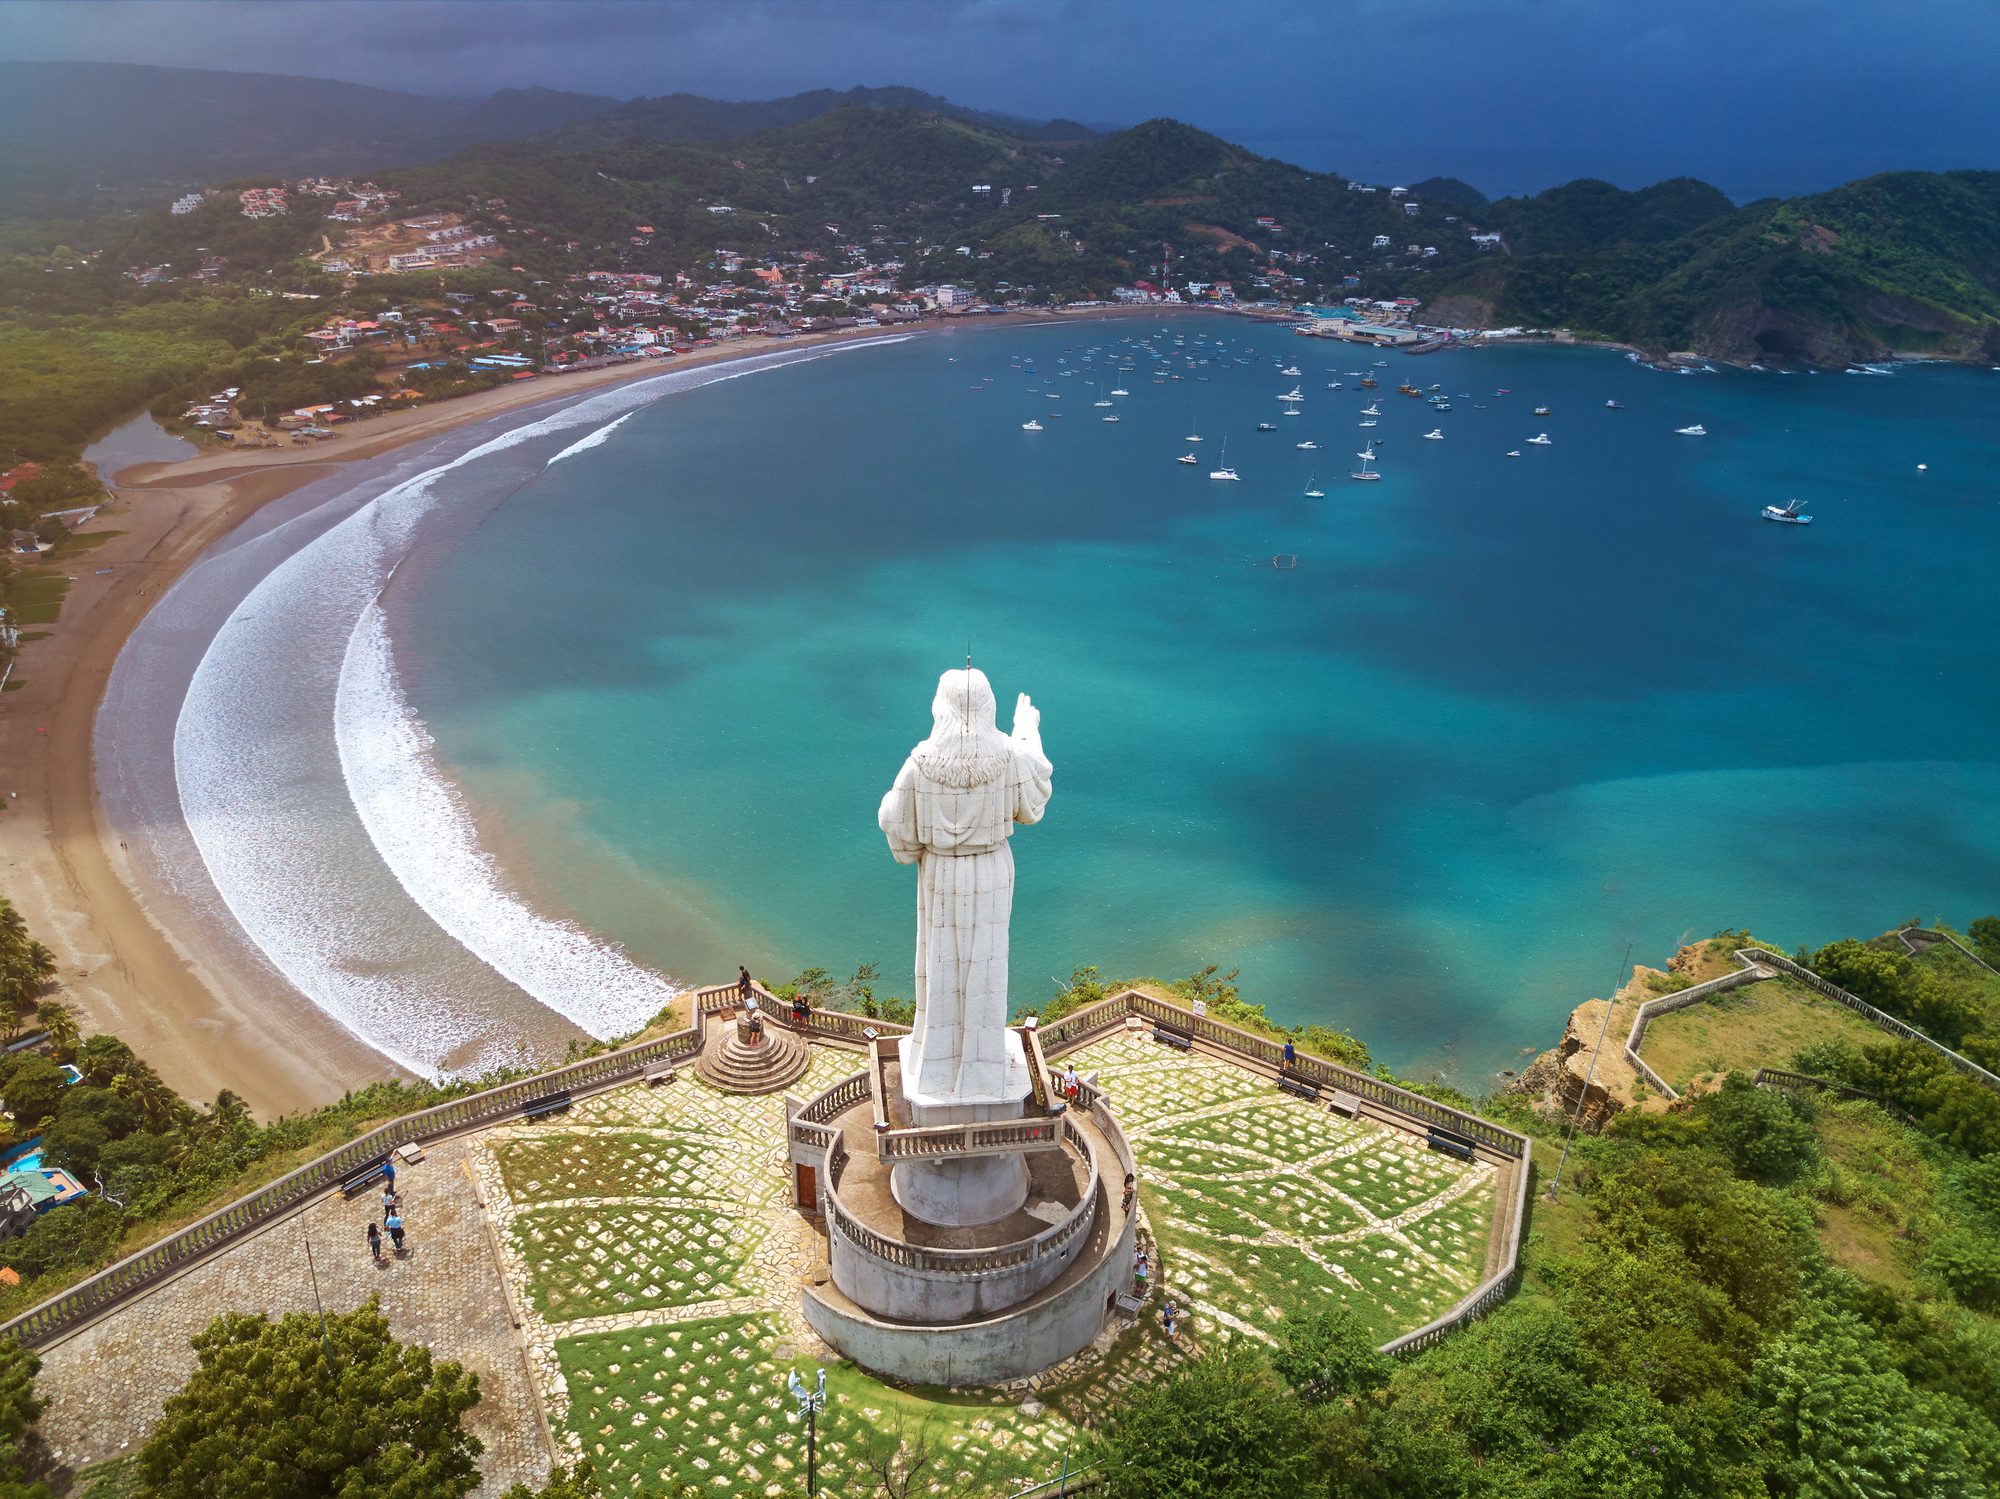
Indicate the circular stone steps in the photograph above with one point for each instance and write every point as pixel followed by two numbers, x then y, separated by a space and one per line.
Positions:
pixel 730 1063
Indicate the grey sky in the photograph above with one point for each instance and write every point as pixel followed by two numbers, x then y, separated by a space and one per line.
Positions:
pixel 1757 96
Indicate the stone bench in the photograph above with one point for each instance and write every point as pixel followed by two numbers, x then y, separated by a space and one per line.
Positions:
pixel 365 1178
pixel 660 1072
pixel 1345 1103
pixel 541 1108
pixel 1298 1087
pixel 1450 1142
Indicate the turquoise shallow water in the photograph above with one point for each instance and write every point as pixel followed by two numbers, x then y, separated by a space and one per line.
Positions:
pixel 1506 716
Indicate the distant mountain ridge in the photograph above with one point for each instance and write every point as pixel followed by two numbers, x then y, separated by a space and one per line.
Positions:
pixel 80 125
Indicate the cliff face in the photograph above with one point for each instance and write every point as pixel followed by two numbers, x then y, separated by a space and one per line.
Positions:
pixel 1587 1066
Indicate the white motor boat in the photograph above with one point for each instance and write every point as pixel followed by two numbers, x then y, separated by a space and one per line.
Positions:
pixel 1294 394
pixel 1436 434
pixel 1031 426
pixel 1307 446
pixel 1540 440
pixel 1187 458
pixel 1697 430
pixel 1513 452
pixel 1371 410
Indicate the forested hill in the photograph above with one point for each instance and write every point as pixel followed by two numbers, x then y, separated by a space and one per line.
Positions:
pixel 68 129
pixel 1905 261
pixel 690 119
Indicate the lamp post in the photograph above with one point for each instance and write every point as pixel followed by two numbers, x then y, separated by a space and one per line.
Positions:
pixel 811 1403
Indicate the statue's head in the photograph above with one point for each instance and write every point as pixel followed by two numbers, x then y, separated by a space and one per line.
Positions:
pixel 966 747
pixel 964 703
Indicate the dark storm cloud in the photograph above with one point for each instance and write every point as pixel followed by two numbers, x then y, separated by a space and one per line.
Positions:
pixel 1777 96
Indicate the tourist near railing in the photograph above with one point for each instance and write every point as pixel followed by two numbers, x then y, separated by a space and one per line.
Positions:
pixel 838 1026
pixel 156 1262
pixel 962 1261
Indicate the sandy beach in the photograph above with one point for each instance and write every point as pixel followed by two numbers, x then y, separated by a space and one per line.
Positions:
pixel 204 1017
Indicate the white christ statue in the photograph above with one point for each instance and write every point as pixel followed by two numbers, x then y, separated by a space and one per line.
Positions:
pixel 950 812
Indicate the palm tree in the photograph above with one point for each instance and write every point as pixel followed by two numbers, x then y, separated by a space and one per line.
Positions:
pixel 59 1020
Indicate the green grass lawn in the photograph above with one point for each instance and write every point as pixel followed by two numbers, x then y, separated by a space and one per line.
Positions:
pixel 35 597
pixel 702 1408
pixel 1261 1201
pixel 610 1163
pixel 601 1259
pixel 1740 1030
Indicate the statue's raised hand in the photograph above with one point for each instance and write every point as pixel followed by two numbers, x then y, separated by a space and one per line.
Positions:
pixel 1027 719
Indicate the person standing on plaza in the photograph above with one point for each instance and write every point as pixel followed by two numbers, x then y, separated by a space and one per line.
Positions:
pixel 743 982
pixel 375 1243
pixel 395 1227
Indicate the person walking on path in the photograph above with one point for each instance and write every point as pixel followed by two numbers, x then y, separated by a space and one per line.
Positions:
pixel 395 1226
pixel 1291 1055
pixel 1170 1318
pixel 375 1243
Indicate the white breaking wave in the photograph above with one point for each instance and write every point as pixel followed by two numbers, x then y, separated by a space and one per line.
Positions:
pixel 585 444
pixel 307 651
pixel 419 823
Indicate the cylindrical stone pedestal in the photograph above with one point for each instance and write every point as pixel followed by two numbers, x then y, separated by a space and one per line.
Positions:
pixel 961 1194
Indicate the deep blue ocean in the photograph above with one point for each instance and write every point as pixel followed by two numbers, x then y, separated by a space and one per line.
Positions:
pixel 1505 716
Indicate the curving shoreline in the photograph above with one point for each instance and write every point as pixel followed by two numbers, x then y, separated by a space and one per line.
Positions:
pixel 192 1001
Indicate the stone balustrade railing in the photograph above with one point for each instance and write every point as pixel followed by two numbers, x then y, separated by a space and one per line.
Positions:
pixel 985 1137
pixel 1050 1240
pixel 1747 973
pixel 1861 1007
pixel 1074 1029
pixel 156 1262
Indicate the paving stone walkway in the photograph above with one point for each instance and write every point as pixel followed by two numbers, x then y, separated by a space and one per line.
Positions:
pixel 106 1384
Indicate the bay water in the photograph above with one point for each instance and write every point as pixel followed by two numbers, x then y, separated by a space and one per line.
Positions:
pixel 1423 757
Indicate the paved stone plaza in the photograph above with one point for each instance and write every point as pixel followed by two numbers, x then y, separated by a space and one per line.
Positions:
pixel 655 1265
pixel 105 1384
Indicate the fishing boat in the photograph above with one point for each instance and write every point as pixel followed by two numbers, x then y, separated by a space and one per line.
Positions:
pixel 1368 382
pixel 1365 472
pixel 1407 389
pixel 1436 434
pixel 1333 385
pixel 1313 492
pixel 1513 452
pixel 1614 405
pixel 1541 411
pixel 1697 430
pixel 1294 394
pixel 1371 410
pixel 1290 370
pixel 1307 446
pixel 1540 440
pixel 1031 426
pixel 1440 405
pixel 1111 418
pixel 1187 458
pixel 1788 513
pixel 1267 426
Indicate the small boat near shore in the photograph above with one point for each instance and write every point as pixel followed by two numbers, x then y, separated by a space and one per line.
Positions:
pixel 1788 513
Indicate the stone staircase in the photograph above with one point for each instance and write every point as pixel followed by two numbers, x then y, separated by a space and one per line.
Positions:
pixel 731 1063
